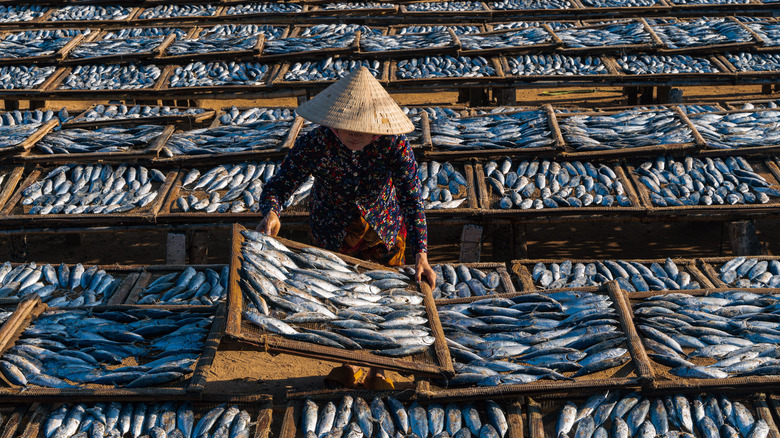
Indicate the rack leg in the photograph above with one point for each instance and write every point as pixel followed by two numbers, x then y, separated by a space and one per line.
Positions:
pixel 199 248
pixel 470 243
pixel 37 104
pixel 664 94
pixel 11 105
pixel 632 95
pixel 519 240
pixel 505 96
pixel 766 89
pixel 175 249
pixel 744 239
pixel 646 95
pixel 478 97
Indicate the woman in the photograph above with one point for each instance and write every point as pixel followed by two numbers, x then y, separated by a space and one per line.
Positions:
pixel 366 198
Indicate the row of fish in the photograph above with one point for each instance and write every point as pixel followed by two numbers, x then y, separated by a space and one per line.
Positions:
pixel 234 116
pixel 744 61
pixel 212 43
pixel 389 417
pixel 13 135
pixel 111 77
pixel 93 189
pixel 159 420
pixel 733 332
pixel 531 4
pixel 190 287
pixel 444 66
pixel 13 13
pixel 443 187
pixel 90 13
pixel 694 181
pixel 338 29
pixel 310 43
pixel 626 129
pixel 446 6
pixel 618 3
pixel 374 310
pixel 495 341
pixel 665 64
pixel 523 37
pixel 329 69
pixel 631 276
pixel 121 111
pixel 523 129
pixel 58 287
pixel 233 188
pixel 235 30
pixel 116 47
pixel 459 30
pixel 557 64
pixel 25 77
pixel 37 42
pixel 738 129
pixel 461 281
pixel 358 5
pixel 768 33
pixel 622 415
pixel 70 348
pixel 750 272
pixel 554 25
pixel 137 32
pixel 105 139
pixel 382 43
pixel 553 184
pixel 263 8
pixel 25 117
pixel 170 11
pixel 258 135
pixel 701 32
pixel 611 35
pixel 204 74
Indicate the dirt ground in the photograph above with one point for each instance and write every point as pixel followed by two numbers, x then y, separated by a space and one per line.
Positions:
pixel 250 372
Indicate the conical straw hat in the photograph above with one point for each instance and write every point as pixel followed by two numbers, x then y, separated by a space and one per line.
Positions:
pixel 357 102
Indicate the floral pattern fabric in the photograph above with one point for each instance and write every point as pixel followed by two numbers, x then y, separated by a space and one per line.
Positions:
pixel 378 183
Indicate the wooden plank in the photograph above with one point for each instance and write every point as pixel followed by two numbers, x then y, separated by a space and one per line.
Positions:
pixel 175 249
pixel 470 243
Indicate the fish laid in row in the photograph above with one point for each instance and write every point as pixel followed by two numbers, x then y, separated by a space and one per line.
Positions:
pixel 626 129
pixel 754 61
pixel 189 287
pixel 90 13
pixel 612 35
pixel 338 29
pixel 750 272
pixel 206 74
pixel 445 6
pixel 459 30
pixel 461 281
pixel 736 330
pixel 320 41
pixel 58 287
pixel 234 116
pixel 769 33
pixel 551 184
pixel 159 420
pixel 531 4
pixel 523 129
pixel 231 188
pixel 618 3
pixel 14 134
pixel 701 32
pixel 13 13
pixel 739 129
pixel 694 181
pixel 263 8
pixel 116 47
pixel 383 43
pixel 710 2
pixel 444 67
pixel 534 65
pixel 631 276
pixel 496 341
pixel 257 135
pixel 235 30
pixel 93 189
pixel 137 32
pixel 106 139
pixel 41 42
pixel 665 64
pixel 443 187
pixel 70 348
pixel 212 43
pixel 329 69
pixel 111 77
pixel 120 112
pixel 357 5
pixel 389 417
pixel 622 415
pixel 24 77
pixel 554 25
pixel 374 311
pixel 523 37
pixel 171 11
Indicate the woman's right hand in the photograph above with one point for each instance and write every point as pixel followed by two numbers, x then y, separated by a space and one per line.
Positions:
pixel 270 224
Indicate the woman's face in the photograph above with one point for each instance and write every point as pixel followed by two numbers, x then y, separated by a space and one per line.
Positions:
pixel 354 141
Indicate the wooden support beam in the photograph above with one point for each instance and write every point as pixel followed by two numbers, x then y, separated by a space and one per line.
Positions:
pixel 11 104
pixel 744 239
pixel 646 97
pixel 175 249
pixel 632 95
pixel 766 89
pixel 37 104
pixel 199 247
pixel 470 243
pixel 519 240
pixel 505 96
pixel 664 93
pixel 479 97
pixel 463 95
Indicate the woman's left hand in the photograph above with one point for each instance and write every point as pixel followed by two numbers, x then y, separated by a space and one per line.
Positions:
pixel 423 268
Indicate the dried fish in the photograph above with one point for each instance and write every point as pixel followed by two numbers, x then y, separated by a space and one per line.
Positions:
pixel 238 30
pixel 443 186
pixel 754 61
pixel 554 25
pixel 626 129
pixel 701 32
pixel 37 42
pixel 768 32
pixel 90 13
pixel 739 129
pixel 143 32
pixel 382 43
pixel 448 6
pixel 532 4
pixel 533 65
pixel 24 76
pixel 311 43
pixel 611 35
pixel 338 29
pixel 524 129
pixel 199 74
pixel 171 11
pixel 119 112
pixel 444 66
pixel 263 8
pixel 116 47
pixel 665 64
pixel 329 69
pixel 101 140
pixel 257 135
pixel 357 5
pixel 71 286
pixel 524 37
pixel 631 276
pixel 12 13
pixel 459 30
pixel 111 77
